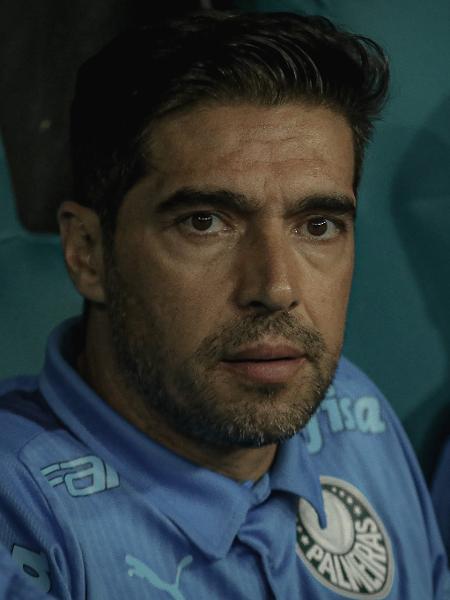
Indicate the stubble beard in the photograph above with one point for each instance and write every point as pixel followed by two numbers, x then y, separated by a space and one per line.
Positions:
pixel 186 396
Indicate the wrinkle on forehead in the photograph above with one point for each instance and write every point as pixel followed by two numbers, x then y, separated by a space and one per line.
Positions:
pixel 261 127
pixel 214 142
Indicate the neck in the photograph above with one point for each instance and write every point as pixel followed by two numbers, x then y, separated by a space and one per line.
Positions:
pixel 98 367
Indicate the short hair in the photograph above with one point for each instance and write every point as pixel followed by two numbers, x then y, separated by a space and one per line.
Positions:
pixel 224 57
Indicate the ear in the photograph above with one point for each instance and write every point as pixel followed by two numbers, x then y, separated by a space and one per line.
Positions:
pixel 81 238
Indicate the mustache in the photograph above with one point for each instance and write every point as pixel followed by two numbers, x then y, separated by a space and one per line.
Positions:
pixel 255 328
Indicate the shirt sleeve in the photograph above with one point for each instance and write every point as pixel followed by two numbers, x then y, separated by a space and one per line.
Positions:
pixel 43 556
pixel 446 595
pixel 439 563
pixel 440 493
pixel 14 585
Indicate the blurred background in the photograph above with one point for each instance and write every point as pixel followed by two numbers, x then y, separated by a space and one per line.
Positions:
pixel 398 327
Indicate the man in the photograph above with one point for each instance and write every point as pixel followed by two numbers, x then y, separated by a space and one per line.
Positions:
pixel 173 446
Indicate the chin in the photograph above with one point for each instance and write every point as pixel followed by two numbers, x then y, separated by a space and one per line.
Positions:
pixel 249 430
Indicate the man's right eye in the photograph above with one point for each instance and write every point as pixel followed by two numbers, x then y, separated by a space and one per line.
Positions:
pixel 202 223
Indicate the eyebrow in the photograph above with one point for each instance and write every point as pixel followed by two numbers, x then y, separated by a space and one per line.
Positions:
pixel 186 198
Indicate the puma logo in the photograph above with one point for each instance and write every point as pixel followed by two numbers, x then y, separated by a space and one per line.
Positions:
pixel 139 569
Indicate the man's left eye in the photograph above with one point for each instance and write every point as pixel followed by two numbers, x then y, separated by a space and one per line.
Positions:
pixel 320 228
pixel 203 222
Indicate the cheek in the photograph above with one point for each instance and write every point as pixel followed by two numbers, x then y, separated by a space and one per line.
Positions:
pixel 183 300
pixel 326 302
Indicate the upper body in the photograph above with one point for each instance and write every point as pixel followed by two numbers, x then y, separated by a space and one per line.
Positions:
pixel 110 513
pixel 216 163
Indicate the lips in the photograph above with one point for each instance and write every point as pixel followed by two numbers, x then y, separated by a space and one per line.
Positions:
pixel 266 352
pixel 266 363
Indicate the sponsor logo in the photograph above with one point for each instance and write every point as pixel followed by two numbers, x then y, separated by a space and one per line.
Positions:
pixel 83 476
pixel 140 569
pixel 339 414
pixel 351 556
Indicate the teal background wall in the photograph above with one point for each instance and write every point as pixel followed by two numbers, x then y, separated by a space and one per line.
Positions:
pixel 35 292
pixel 399 325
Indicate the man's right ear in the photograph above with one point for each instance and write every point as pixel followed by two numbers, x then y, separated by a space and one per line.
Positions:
pixel 81 237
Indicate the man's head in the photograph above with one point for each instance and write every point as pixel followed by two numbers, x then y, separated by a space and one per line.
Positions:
pixel 212 58
pixel 219 157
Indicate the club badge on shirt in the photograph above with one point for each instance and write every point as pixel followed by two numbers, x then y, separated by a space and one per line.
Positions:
pixel 351 556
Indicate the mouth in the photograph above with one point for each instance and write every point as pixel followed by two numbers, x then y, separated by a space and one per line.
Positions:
pixel 266 363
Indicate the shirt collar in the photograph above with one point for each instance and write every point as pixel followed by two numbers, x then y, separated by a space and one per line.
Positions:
pixel 180 489
pixel 293 471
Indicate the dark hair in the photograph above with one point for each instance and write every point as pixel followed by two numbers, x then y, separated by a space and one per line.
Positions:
pixel 225 57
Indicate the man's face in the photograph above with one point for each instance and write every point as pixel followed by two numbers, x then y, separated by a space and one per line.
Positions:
pixel 228 283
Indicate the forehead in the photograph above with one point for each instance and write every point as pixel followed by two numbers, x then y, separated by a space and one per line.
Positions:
pixel 246 146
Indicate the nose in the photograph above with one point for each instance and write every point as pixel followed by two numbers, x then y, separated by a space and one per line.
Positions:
pixel 268 274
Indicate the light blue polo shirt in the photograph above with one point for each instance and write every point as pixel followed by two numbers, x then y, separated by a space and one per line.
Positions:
pixel 90 507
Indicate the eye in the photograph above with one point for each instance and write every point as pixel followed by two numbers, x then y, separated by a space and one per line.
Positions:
pixel 320 228
pixel 203 223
